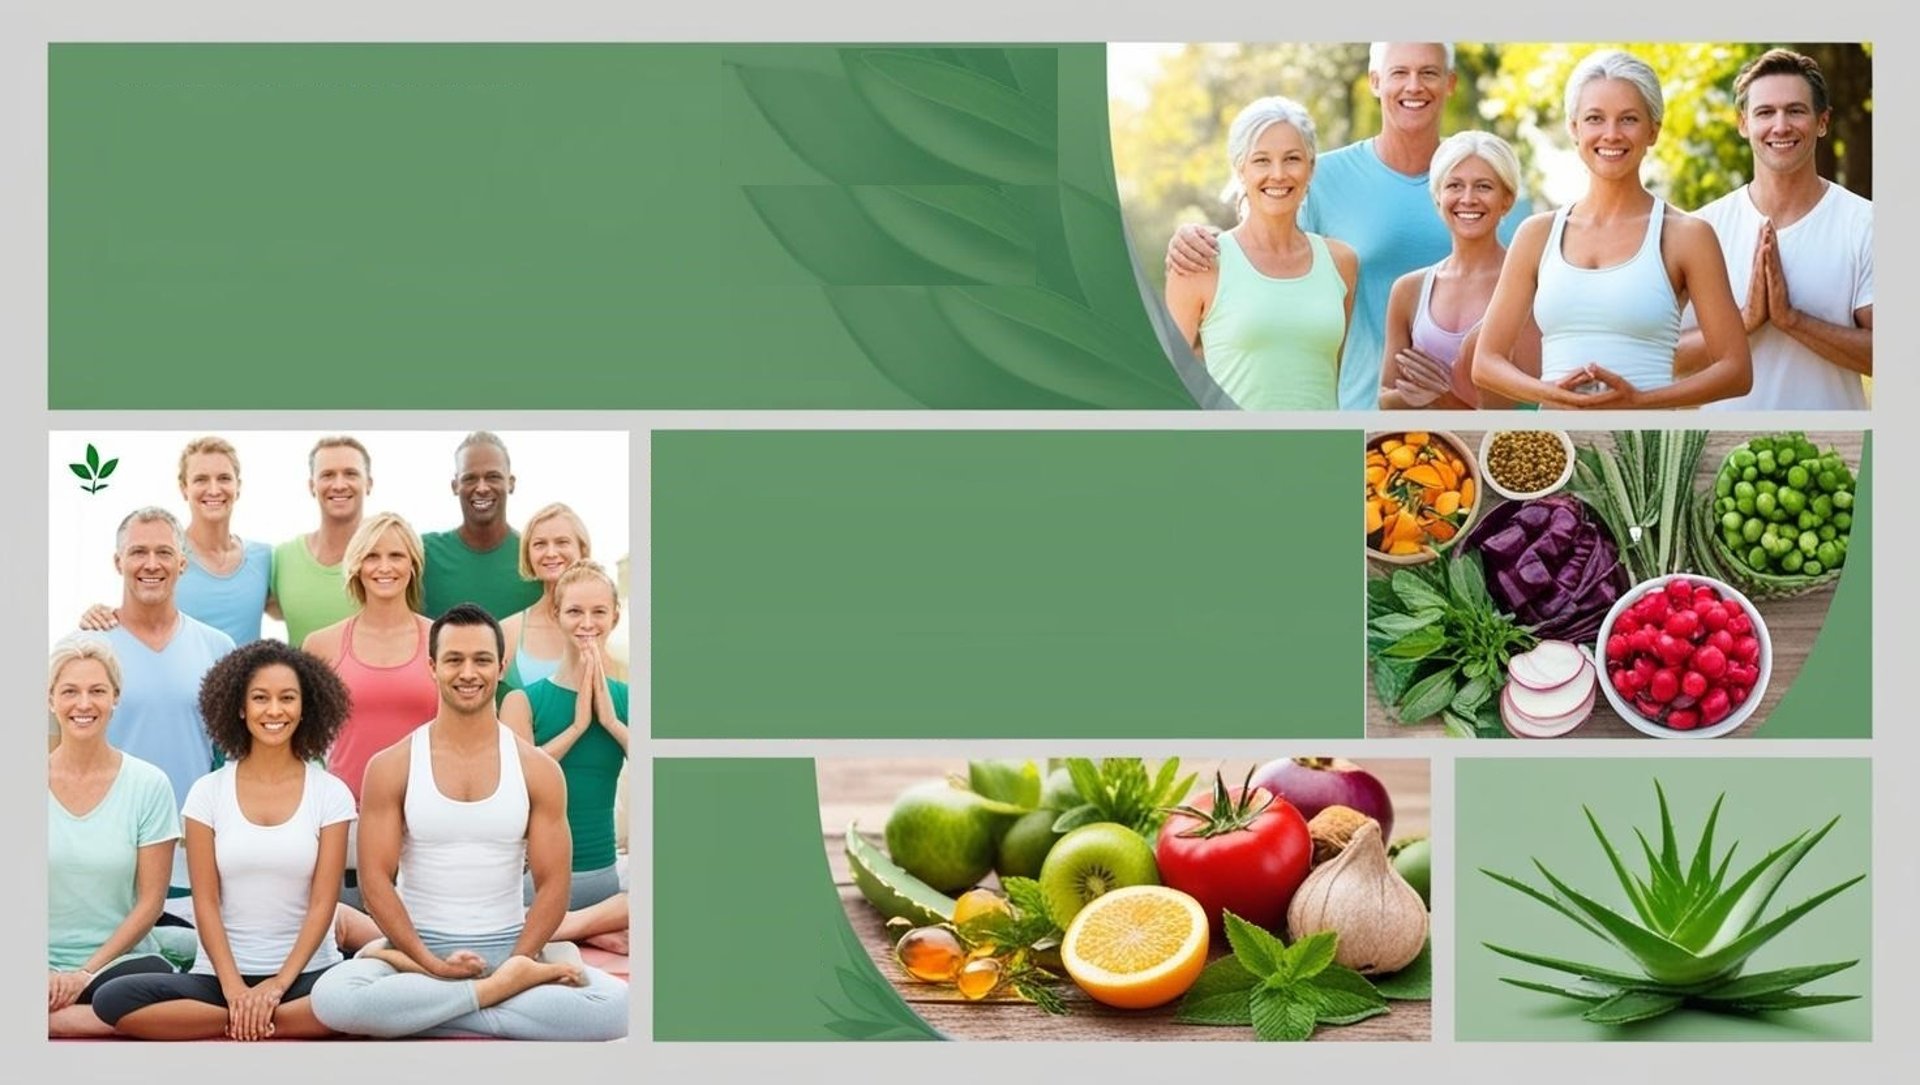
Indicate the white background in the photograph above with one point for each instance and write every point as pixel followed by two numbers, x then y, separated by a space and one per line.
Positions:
pixel 412 475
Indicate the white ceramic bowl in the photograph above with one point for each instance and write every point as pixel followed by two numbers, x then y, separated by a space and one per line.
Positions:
pixel 1486 445
pixel 1659 730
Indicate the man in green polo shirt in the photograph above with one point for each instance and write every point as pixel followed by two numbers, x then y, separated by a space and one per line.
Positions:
pixel 309 587
pixel 479 561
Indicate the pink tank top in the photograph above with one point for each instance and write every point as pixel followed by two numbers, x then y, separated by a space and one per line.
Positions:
pixel 1430 338
pixel 388 703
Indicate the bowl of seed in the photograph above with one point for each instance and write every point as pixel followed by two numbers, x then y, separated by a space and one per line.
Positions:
pixel 1522 464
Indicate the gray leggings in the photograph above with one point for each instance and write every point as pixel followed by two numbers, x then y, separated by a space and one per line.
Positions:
pixel 367 997
pixel 586 888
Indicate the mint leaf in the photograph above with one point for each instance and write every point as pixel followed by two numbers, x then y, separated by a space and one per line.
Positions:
pixel 1284 1014
pixel 1257 950
pixel 1343 996
pixel 1220 996
pixel 1309 956
pixel 1412 983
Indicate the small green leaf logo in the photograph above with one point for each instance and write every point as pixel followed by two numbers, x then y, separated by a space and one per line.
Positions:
pixel 92 472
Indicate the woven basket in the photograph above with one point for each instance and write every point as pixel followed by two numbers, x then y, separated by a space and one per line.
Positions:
pixel 1710 552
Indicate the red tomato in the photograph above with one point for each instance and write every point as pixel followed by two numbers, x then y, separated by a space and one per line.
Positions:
pixel 1255 852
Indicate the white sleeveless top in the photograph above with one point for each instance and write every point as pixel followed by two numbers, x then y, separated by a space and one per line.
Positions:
pixel 461 862
pixel 1624 318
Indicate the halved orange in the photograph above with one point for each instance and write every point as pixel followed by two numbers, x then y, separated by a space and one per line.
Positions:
pixel 1137 947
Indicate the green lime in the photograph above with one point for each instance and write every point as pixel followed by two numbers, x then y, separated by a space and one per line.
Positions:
pixel 941 835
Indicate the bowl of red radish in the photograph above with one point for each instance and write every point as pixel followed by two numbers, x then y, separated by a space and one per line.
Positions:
pixel 1549 690
pixel 1686 656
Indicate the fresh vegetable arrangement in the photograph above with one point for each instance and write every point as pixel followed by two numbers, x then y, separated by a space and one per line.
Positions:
pixel 1690 933
pixel 1420 492
pixel 1503 635
pixel 1130 913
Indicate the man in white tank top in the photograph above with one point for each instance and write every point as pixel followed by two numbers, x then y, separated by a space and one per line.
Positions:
pixel 1799 251
pixel 449 817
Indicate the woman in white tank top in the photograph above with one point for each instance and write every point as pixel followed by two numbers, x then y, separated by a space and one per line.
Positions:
pixel 1605 278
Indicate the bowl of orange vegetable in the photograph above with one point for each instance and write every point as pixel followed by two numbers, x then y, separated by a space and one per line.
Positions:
pixel 1423 492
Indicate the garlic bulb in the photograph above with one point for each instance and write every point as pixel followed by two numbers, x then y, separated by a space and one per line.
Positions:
pixel 1359 896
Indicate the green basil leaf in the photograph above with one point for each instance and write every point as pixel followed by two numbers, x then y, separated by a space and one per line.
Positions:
pixel 1428 696
pixel 1419 644
pixel 1458 727
pixel 1467 582
pixel 1391 677
pixel 1415 592
pixel 1412 983
pixel 1400 625
pixel 1471 696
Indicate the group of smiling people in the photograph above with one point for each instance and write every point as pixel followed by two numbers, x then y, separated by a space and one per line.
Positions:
pixel 1359 296
pixel 428 794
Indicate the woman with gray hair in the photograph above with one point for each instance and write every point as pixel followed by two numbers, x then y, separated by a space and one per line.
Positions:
pixel 1269 320
pixel 1433 314
pixel 1607 276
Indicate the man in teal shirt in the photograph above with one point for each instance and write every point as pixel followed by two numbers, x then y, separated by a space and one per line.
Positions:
pixel 479 561
pixel 1373 195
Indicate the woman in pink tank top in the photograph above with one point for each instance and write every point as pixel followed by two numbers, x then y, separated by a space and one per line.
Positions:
pixel 380 652
pixel 1433 312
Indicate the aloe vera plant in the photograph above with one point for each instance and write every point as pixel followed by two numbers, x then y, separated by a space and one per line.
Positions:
pixel 1690 933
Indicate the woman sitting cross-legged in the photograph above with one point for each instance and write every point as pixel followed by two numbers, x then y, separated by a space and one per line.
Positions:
pixel 266 844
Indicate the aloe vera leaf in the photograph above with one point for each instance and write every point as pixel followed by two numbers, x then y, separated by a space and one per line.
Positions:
pixel 1744 946
pixel 1546 899
pixel 1662 893
pixel 1584 971
pixel 1630 1006
pixel 1771 1003
pixel 1591 996
pixel 1753 903
pixel 1669 847
pixel 1627 882
pixel 1720 875
pixel 1713 922
pixel 1663 959
pixel 1762 984
pixel 1703 855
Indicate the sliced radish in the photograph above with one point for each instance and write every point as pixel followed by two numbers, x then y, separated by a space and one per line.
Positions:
pixel 1553 703
pixel 1523 725
pixel 1528 670
pixel 1559 660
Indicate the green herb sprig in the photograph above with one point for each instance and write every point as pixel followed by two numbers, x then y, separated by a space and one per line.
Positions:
pixel 1020 939
pixel 1118 789
pixel 1439 646
pixel 1285 992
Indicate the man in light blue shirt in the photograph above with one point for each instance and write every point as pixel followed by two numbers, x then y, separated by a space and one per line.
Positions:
pixel 1373 195
pixel 163 655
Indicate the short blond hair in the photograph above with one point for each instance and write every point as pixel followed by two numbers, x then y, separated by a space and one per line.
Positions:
pixel 208 446
pixel 546 513
pixel 76 648
pixel 578 572
pixel 361 545
pixel 340 441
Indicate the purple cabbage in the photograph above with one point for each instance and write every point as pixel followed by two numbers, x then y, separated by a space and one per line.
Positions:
pixel 1551 564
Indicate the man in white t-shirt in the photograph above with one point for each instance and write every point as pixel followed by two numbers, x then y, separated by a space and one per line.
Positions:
pixel 1799 251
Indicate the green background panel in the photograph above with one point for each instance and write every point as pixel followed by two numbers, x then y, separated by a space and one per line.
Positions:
pixel 750 941
pixel 1512 811
pixel 449 226
pixel 1005 584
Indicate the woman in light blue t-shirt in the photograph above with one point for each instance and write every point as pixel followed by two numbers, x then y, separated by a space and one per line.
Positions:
pixel 111 830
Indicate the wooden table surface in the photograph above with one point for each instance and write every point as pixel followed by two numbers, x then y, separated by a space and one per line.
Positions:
pixel 864 790
pixel 1792 623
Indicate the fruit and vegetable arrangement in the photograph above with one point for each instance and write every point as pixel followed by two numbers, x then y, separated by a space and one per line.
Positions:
pixel 1626 586
pixel 1420 492
pixel 1690 929
pixel 1274 905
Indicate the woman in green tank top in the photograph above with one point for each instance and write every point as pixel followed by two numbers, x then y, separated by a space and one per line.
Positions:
pixel 1270 319
pixel 578 716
